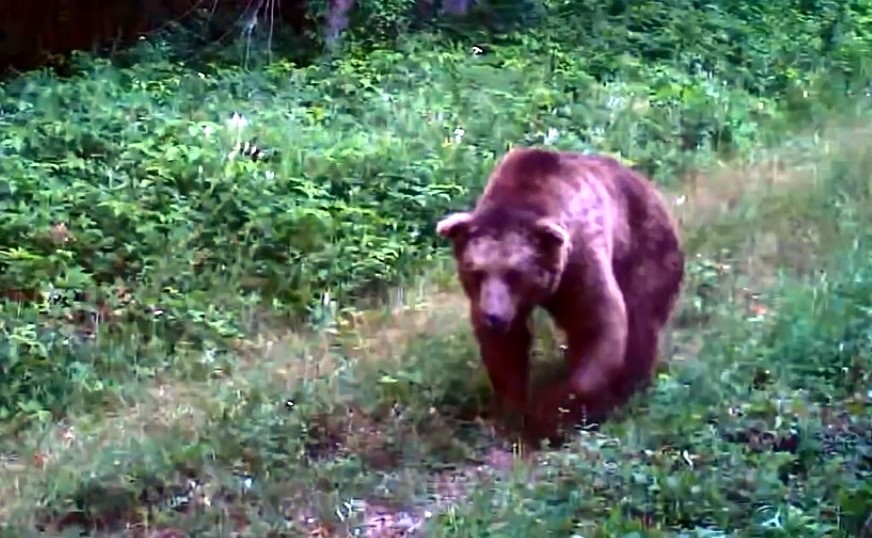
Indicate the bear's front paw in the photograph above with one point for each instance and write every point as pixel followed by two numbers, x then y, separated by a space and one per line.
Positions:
pixel 509 417
pixel 552 407
pixel 588 382
pixel 543 429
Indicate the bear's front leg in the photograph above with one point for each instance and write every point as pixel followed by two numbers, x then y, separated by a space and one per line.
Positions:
pixel 595 323
pixel 506 356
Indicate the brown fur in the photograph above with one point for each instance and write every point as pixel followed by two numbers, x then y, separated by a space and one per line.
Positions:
pixel 593 243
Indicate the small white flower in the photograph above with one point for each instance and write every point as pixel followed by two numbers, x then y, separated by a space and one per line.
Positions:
pixel 551 136
pixel 237 121
pixel 774 522
pixel 615 102
pixel 680 200
pixel 477 50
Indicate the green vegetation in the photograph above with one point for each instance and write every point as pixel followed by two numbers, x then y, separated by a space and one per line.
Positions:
pixel 276 347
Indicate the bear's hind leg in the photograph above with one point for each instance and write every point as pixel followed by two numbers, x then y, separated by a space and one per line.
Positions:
pixel 651 282
pixel 643 348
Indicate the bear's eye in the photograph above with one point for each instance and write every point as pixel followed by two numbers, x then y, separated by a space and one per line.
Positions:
pixel 513 276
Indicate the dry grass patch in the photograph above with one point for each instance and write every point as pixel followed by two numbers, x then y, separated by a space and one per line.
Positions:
pixel 287 360
pixel 768 201
pixel 384 335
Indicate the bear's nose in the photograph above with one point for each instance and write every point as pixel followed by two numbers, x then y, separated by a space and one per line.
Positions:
pixel 495 322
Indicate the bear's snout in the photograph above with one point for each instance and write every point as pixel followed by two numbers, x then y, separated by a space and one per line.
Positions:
pixel 495 322
pixel 497 305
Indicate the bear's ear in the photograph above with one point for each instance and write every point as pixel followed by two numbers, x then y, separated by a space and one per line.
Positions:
pixel 454 224
pixel 552 233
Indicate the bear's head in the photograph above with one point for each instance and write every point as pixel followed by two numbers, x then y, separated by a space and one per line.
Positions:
pixel 507 260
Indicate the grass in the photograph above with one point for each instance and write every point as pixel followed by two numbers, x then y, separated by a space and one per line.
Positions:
pixel 244 385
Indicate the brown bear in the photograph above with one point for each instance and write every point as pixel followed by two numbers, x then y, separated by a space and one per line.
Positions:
pixel 593 243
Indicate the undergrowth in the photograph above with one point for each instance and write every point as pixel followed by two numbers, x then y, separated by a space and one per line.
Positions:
pixel 200 340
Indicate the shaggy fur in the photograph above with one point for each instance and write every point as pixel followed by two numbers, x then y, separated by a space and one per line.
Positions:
pixel 593 243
